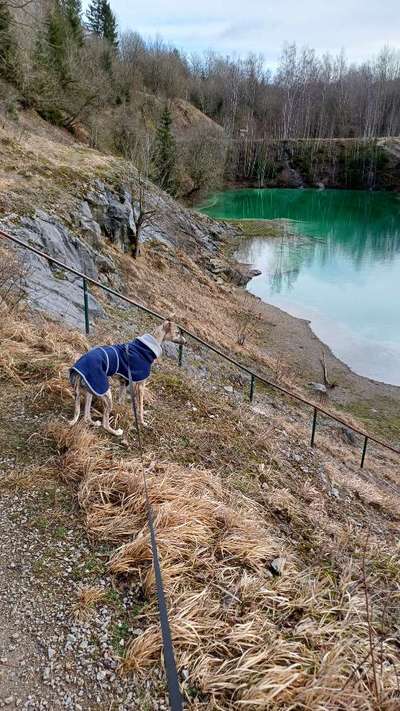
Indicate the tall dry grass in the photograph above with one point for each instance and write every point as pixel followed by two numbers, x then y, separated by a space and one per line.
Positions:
pixel 246 638
pixel 323 635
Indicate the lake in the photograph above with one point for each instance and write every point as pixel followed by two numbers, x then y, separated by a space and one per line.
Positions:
pixel 341 270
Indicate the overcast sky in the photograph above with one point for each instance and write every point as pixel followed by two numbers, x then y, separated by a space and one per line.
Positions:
pixel 362 27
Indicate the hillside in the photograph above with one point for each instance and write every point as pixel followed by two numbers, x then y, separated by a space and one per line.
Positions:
pixel 234 486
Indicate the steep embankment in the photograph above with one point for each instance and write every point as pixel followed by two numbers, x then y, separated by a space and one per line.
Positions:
pixel 234 487
pixel 86 201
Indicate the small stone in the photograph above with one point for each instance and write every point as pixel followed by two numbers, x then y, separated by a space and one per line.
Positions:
pixel 335 492
pixel 229 389
pixel 50 653
pixel 277 566
pixel 9 700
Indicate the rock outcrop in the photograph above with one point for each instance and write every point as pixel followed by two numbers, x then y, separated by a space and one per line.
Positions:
pixel 239 274
pixel 105 217
pixel 48 287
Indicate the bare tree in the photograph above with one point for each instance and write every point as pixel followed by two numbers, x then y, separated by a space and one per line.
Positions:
pixel 248 319
pixel 13 275
pixel 145 209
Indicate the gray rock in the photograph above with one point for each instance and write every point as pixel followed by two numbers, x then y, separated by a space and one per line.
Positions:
pixel 50 288
pixel 289 178
pixel 113 214
pixel 46 233
pixel 88 227
pixel 277 566
pixel 170 350
pixel 229 389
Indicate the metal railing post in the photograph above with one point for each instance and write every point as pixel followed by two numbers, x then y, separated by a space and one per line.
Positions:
pixel 364 453
pixel 180 354
pixel 86 306
pixel 252 388
pixel 314 427
pixel 53 262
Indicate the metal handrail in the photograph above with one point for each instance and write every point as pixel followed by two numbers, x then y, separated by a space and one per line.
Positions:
pixel 253 375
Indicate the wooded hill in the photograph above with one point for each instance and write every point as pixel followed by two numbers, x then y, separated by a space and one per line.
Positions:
pixel 112 88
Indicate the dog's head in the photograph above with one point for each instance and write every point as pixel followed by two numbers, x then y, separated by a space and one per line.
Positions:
pixel 172 332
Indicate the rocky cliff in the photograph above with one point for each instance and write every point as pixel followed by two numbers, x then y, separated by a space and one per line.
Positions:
pixel 79 206
pixel 331 163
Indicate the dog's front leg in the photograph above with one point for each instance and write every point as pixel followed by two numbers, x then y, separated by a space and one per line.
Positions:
pixel 108 404
pixel 141 387
pixel 77 410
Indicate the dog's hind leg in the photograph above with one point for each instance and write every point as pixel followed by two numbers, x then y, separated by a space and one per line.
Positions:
pixel 108 404
pixel 122 391
pixel 77 411
pixel 87 412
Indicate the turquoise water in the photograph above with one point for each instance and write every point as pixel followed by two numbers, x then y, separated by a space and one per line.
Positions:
pixel 342 272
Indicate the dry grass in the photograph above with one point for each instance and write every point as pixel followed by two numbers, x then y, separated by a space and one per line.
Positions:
pixel 247 639
pixel 88 598
pixel 303 640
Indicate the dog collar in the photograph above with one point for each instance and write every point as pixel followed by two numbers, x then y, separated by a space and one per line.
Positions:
pixel 151 343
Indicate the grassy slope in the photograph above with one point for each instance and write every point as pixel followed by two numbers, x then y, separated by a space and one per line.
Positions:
pixel 231 488
pixel 231 491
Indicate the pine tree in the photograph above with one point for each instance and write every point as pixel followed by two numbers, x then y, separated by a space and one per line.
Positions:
pixel 72 10
pixel 110 31
pixel 8 46
pixel 94 15
pixel 164 159
pixel 102 22
pixel 56 39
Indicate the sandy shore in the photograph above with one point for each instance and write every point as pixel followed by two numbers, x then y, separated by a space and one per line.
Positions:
pixel 292 339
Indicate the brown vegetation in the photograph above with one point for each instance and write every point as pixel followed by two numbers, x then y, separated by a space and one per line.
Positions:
pixel 231 491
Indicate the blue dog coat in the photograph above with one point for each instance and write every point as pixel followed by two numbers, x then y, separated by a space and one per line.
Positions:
pixel 96 366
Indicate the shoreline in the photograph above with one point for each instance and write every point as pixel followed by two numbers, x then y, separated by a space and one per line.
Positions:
pixel 292 339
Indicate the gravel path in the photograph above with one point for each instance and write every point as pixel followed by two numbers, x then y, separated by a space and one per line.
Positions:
pixel 50 658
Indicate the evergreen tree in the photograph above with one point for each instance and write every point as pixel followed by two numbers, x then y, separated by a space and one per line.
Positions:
pixel 56 36
pixel 8 46
pixel 61 33
pixel 102 22
pixel 94 17
pixel 72 10
pixel 110 31
pixel 164 159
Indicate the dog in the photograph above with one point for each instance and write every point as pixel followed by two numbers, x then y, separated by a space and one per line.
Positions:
pixel 92 371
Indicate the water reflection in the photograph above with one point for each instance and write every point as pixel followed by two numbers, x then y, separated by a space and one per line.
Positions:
pixel 342 271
